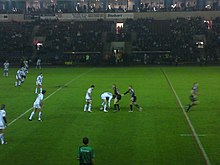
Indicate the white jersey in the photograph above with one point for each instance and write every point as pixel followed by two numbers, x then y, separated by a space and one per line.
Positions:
pixel 2 122
pixel 22 72
pixel 89 94
pixel 6 66
pixel 18 74
pixel 39 80
pixel 39 98
pixel 107 94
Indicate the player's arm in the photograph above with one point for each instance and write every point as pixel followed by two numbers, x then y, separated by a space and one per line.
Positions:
pixel 125 93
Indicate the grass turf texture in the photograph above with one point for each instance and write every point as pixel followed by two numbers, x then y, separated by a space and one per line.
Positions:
pixel 152 136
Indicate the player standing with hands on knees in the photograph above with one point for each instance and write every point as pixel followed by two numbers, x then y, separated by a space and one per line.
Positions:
pixel 3 123
pixel 106 98
pixel 38 104
pixel 88 105
pixel 132 99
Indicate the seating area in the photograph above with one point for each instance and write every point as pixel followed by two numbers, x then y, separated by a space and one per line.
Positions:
pixel 179 36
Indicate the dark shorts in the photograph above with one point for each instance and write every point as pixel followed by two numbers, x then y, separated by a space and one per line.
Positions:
pixel 118 97
pixel 133 99
pixel 107 98
pixel 192 98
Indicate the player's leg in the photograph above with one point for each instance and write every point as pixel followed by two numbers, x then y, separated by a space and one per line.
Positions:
pixel 41 88
pixel 32 113
pixel 36 89
pixel 135 103
pixel 2 136
pixel 131 104
pixel 192 100
pixel 105 106
pixel 19 82
pixel 90 106
pixel 39 115
pixel 116 105
pixel 86 105
pixel 16 82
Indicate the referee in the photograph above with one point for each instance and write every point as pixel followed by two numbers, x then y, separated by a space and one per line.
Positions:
pixel 85 154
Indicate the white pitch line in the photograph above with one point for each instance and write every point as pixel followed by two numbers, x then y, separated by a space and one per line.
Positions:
pixel 195 135
pixel 20 116
pixel 200 135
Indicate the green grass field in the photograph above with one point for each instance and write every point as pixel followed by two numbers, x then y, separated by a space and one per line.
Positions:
pixel 159 135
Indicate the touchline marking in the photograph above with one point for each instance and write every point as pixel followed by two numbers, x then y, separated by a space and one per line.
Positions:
pixel 194 134
pixel 20 116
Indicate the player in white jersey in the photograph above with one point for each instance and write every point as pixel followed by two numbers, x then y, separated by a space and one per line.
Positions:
pixel 38 63
pixel 39 82
pixel 3 123
pixel 88 105
pixel 18 78
pixel 23 74
pixel 6 68
pixel 38 104
pixel 106 100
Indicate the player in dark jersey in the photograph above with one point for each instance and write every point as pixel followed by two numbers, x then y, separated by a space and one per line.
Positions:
pixel 117 97
pixel 193 96
pixel 86 154
pixel 133 99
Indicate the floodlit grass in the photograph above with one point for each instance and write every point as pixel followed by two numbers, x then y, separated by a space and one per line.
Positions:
pixel 152 136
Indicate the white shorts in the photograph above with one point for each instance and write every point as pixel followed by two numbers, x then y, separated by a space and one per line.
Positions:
pixel 2 126
pixel 18 77
pixel 38 83
pixel 37 106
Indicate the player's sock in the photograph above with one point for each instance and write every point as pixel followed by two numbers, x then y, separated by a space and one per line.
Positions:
pixel 85 107
pixel 189 106
pixel 2 138
pixel 115 106
pixel 31 116
pixel 109 104
pixel 137 106
pixel 103 103
pixel 90 106
pixel 118 107
pixel 36 90
pixel 131 107
pixel 39 115
pixel 40 90
pixel 105 107
pixel 19 83
pixel 16 84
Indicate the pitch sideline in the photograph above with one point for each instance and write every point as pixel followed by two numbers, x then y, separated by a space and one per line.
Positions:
pixel 57 90
pixel 194 134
